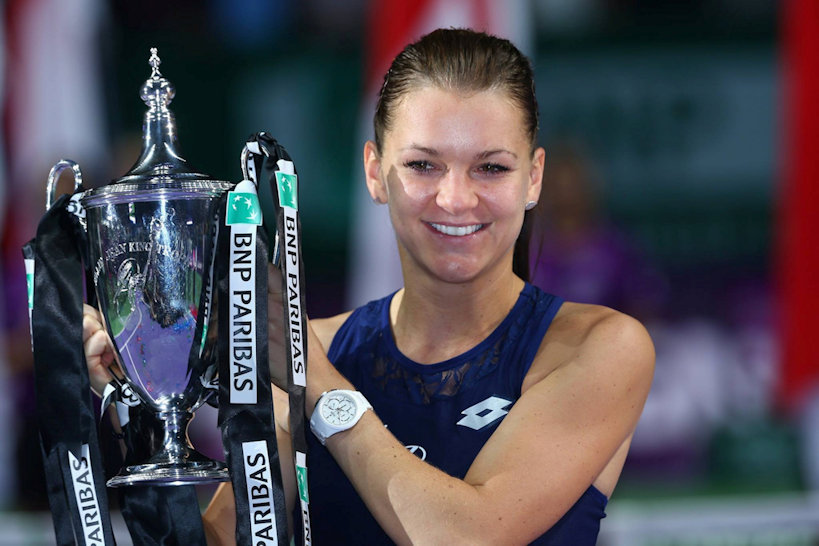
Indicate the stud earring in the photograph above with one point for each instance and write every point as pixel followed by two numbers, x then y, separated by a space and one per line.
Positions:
pixel 530 205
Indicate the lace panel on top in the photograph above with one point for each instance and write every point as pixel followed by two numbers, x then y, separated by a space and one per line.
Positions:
pixel 394 373
pixel 391 377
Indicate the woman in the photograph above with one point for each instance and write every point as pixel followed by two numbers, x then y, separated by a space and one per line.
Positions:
pixel 501 414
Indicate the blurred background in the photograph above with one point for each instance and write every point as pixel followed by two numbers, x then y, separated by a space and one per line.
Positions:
pixel 681 142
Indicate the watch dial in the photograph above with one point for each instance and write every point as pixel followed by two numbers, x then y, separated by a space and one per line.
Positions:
pixel 338 410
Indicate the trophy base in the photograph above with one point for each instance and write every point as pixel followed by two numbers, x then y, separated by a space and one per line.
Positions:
pixel 172 473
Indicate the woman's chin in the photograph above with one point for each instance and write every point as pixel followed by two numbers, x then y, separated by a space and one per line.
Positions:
pixel 456 272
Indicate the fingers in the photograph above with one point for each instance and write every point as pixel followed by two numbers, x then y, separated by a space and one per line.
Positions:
pixel 98 347
pixel 99 356
pixel 99 351
pixel 91 322
pixel 97 344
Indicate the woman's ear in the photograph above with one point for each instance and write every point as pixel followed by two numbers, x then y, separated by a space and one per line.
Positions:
pixel 536 175
pixel 372 172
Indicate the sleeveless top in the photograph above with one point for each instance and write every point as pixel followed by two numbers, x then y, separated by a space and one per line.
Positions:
pixel 444 413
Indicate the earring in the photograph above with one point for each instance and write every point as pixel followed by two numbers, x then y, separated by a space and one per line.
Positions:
pixel 530 205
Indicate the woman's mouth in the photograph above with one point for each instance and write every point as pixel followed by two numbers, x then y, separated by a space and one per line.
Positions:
pixel 456 231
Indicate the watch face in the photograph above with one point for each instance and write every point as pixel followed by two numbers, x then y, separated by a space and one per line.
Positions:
pixel 338 409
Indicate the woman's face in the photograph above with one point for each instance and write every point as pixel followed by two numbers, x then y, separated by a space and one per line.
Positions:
pixel 456 171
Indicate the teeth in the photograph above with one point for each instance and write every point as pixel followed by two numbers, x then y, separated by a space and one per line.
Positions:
pixel 457 231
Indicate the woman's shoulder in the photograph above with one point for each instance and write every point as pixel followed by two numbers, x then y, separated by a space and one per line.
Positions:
pixel 580 320
pixel 580 330
pixel 326 328
pixel 370 313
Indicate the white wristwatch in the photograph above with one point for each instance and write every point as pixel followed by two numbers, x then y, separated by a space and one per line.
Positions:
pixel 336 411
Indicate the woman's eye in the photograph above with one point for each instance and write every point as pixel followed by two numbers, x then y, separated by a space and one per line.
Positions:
pixel 419 165
pixel 493 168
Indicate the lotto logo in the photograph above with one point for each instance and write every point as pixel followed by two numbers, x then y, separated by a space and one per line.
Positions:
pixel 484 413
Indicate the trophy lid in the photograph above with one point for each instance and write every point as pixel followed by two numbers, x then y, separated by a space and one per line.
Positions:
pixel 160 166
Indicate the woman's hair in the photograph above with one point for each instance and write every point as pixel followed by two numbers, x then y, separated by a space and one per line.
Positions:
pixel 458 60
pixel 466 61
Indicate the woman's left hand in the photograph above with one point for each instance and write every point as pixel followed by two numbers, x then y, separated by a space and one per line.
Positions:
pixel 99 351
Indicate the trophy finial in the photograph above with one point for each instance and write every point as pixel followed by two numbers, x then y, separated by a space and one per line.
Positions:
pixel 154 62
pixel 160 155
pixel 157 92
pixel 159 161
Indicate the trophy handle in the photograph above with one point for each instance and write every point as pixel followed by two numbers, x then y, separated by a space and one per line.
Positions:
pixel 246 166
pixel 54 175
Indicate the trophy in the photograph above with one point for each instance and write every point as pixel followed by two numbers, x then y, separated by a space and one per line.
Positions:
pixel 152 240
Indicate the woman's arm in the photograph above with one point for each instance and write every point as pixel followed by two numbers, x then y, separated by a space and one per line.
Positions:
pixel 555 441
pixel 219 519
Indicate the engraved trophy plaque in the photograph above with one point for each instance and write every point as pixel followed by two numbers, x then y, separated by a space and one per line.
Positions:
pixel 152 237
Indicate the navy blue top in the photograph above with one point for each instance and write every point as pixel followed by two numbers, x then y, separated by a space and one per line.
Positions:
pixel 444 413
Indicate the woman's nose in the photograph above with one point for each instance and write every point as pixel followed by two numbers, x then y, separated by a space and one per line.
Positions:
pixel 456 193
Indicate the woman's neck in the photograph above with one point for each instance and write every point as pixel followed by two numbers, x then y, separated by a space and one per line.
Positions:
pixel 433 321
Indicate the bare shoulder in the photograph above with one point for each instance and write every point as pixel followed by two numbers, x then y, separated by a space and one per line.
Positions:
pixel 595 336
pixel 326 328
pixel 582 322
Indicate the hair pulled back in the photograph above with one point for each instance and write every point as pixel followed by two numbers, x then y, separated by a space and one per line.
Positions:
pixel 458 60
pixel 466 61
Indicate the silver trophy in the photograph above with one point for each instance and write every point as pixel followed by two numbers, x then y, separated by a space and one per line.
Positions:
pixel 152 242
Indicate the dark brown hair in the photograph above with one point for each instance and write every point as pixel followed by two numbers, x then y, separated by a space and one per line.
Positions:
pixel 468 61
pixel 458 60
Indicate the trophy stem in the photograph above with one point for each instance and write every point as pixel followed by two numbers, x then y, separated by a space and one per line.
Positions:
pixel 176 446
pixel 176 462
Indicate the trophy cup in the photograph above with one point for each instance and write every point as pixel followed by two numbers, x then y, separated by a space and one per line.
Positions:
pixel 152 241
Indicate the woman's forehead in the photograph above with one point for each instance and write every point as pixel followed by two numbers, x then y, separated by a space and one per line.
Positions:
pixel 432 117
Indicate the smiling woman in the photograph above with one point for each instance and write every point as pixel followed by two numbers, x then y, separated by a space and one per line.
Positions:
pixel 469 407
pixel 457 169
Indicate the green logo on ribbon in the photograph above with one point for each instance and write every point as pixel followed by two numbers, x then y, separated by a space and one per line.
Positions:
pixel 301 477
pixel 288 185
pixel 204 338
pixel 30 285
pixel 243 208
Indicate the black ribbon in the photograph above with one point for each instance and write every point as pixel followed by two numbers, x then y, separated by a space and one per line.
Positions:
pixel 248 431
pixel 286 253
pixel 288 222
pixel 167 515
pixel 74 473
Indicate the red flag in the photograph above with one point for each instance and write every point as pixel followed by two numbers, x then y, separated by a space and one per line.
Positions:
pixel 798 257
